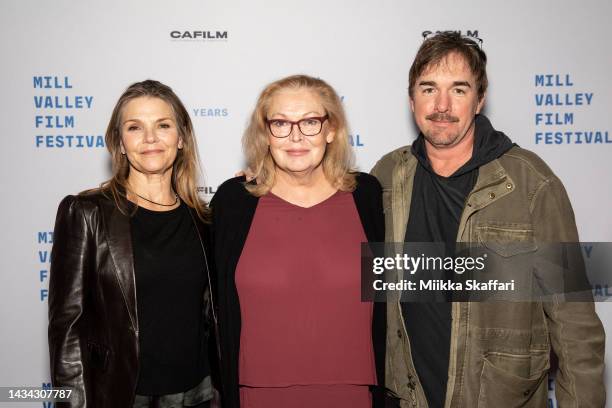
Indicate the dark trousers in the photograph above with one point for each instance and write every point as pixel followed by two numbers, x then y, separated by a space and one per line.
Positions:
pixel 162 402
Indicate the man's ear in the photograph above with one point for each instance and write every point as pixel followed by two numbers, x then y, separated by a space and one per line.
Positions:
pixel 481 103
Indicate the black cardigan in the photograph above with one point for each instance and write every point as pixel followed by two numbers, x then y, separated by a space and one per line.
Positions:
pixel 233 211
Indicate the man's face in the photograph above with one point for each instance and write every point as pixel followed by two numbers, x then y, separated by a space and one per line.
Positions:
pixel 445 101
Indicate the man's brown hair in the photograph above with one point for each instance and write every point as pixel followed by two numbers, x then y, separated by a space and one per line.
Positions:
pixel 437 48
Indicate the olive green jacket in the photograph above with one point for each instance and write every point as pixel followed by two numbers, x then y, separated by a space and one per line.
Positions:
pixel 500 352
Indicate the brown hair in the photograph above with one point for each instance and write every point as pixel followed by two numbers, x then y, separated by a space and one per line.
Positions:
pixel 338 159
pixel 186 165
pixel 435 49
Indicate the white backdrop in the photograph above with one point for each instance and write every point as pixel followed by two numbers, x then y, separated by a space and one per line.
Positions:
pixel 91 51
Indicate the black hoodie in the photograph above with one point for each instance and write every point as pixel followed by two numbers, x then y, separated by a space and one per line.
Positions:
pixel 435 212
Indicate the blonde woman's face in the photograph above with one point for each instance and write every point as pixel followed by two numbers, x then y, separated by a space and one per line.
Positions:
pixel 297 153
pixel 149 135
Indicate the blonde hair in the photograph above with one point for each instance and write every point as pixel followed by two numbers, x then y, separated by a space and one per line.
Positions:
pixel 338 160
pixel 186 165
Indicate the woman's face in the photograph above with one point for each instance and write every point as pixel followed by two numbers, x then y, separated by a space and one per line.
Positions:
pixel 149 135
pixel 296 153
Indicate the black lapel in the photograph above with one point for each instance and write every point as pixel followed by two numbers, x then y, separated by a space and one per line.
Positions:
pixel 119 240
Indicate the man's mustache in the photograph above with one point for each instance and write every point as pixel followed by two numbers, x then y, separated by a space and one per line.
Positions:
pixel 442 117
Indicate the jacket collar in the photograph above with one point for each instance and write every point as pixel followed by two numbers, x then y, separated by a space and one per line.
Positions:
pixel 492 183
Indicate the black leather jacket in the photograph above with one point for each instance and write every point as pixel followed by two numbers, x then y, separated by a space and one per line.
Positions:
pixel 93 326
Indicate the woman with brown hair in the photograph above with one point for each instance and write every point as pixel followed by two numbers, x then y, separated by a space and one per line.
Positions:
pixel 293 331
pixel 130 287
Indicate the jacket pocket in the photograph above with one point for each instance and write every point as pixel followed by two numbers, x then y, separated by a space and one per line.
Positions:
pixel 512 381
pixel 507 240
pixel 511 253
pixel 99 355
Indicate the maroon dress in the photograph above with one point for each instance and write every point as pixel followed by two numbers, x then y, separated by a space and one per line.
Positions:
pixel 306 337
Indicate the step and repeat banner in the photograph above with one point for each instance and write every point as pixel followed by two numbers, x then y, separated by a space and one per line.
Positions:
pixel 66 62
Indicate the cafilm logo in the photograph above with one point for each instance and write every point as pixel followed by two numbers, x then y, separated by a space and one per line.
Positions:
pixel 197 35
pixel 207 190
pixel 467 33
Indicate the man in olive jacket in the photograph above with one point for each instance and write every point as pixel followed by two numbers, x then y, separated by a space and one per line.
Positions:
pixel 463 181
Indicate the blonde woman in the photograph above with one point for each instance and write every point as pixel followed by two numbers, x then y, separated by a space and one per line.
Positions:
pixel 129 276
pixel 293 331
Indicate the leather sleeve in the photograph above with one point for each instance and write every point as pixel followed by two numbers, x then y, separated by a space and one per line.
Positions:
pixel 70 257
pixel 577 335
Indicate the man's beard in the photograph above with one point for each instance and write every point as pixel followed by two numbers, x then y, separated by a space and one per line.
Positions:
pixel 439 138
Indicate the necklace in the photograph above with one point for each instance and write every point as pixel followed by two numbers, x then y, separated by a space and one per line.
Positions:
pixel 176 198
